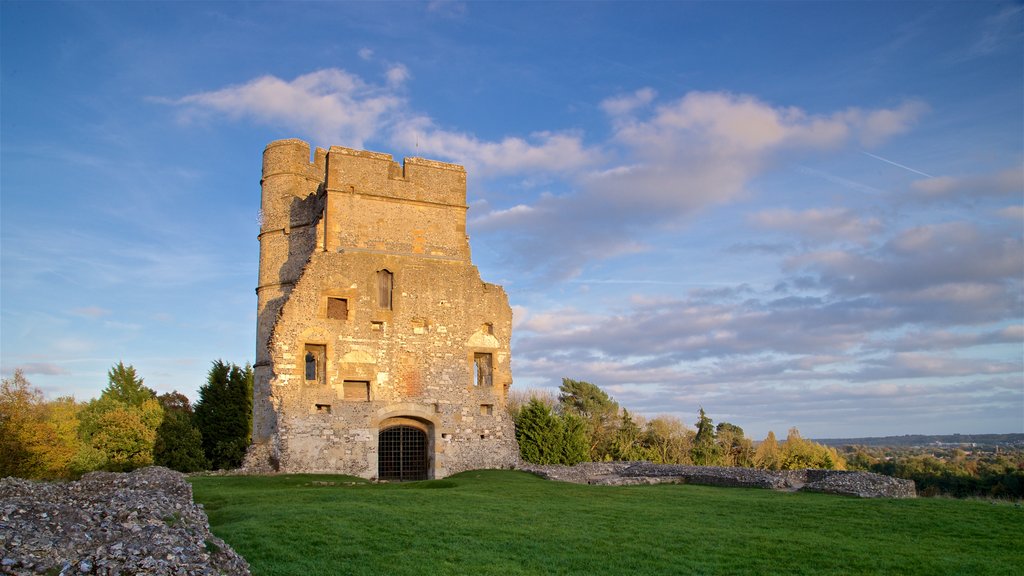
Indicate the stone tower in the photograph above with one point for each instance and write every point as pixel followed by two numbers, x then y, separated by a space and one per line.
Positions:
pixel 380 352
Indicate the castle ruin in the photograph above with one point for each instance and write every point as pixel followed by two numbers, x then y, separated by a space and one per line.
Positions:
pixel 380 351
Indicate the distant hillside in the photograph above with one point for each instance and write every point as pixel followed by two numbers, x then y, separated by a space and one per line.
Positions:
pixel 1016 440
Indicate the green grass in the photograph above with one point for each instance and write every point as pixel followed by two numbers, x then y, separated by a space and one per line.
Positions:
pixel 507 523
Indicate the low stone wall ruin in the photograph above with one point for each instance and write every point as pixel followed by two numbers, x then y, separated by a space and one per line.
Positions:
pixel 861 484
pixel 144 522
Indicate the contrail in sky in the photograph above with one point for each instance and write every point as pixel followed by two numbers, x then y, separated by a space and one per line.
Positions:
pixel 908 168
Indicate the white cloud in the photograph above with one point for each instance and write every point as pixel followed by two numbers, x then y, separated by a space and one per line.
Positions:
pixel 1012 212
pixel 820 225
pixel 397 75
pixel 331 105
pixel 876 126
pixel 365 54
pixel 43 368
pixel 622 105
pixel 543 151
pixel 1008 182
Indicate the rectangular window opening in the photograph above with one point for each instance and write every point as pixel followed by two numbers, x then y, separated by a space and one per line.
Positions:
pixel 357 391
pixel 337 308
pixel 487 409
pixel 323 408
pixel 482 368
pixel 314 363
pixel 385 288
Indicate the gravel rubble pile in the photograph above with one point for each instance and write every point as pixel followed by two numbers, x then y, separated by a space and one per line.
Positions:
pixel 143 522
pixel 861 484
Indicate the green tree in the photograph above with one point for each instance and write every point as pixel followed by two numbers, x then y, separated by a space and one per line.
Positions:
pixel 223 414
pixel 705 451
pixel 119 427
pixel 735 448
pixel 125 386
pixel 126 434
pixel 548 438
pixel 627 443
pixel 596 408
pixel 179 444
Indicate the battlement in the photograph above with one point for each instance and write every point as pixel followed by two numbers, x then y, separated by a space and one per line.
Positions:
pixel 342 169
pixel 377 174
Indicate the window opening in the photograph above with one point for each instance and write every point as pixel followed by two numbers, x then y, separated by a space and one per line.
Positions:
pixel 357 390
pixel 482 367
pixel 487 409
pixel 314 358
pixel 337 308
pixel 323 408
pixel 385 286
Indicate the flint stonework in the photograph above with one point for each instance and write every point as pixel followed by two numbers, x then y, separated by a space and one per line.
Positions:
pixel 378 344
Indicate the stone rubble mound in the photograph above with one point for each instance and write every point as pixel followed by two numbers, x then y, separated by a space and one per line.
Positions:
pixel 850 483
pixel 143 522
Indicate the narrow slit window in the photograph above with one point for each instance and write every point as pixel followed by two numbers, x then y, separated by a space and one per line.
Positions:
pixel 337 308
pixel 483 368
pixel 314 367
pixel 385 287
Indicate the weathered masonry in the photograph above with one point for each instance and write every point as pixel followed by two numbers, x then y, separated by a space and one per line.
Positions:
pixel 380 351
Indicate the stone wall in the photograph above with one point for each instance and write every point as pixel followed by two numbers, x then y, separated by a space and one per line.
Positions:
pixel 850 483
pixel 144 522
pixel 408 351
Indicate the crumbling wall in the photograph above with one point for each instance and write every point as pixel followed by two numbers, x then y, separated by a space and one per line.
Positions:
pixel 144 522
pixel 850 483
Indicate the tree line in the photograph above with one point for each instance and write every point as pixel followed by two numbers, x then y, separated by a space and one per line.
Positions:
pixel 946 472
pixel 583 423
pixel 129 426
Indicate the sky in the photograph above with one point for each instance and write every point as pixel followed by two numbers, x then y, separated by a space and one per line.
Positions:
pixel 799 214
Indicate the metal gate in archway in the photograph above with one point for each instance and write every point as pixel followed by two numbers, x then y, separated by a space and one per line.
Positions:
pixel 402 454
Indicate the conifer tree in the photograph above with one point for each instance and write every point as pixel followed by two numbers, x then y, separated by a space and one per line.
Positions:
pixel 705 452
pixel 223 414
pixel 179 444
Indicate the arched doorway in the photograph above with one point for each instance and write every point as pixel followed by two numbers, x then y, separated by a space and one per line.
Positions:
pixel 402 453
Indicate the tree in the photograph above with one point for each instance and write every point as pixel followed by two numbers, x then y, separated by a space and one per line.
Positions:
pixel 668 441
pixel 119 427
pixel 705 452
pixel 126 435
pixel 224 414
pixel 548 438
pixel 38 439
pixel 179 443
pixel 767 455
pixel 596 408
pixel 796 453
pixel 125 386
pixel 735 449
pixel 627 443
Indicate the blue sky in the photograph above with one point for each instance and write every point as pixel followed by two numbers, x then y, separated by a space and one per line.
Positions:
pixel 792 214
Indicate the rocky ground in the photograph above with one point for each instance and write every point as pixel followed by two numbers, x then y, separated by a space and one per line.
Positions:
pixel 861 484
pixel 144 522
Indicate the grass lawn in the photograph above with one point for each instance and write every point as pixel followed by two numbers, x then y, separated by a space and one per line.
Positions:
pixel 506 523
